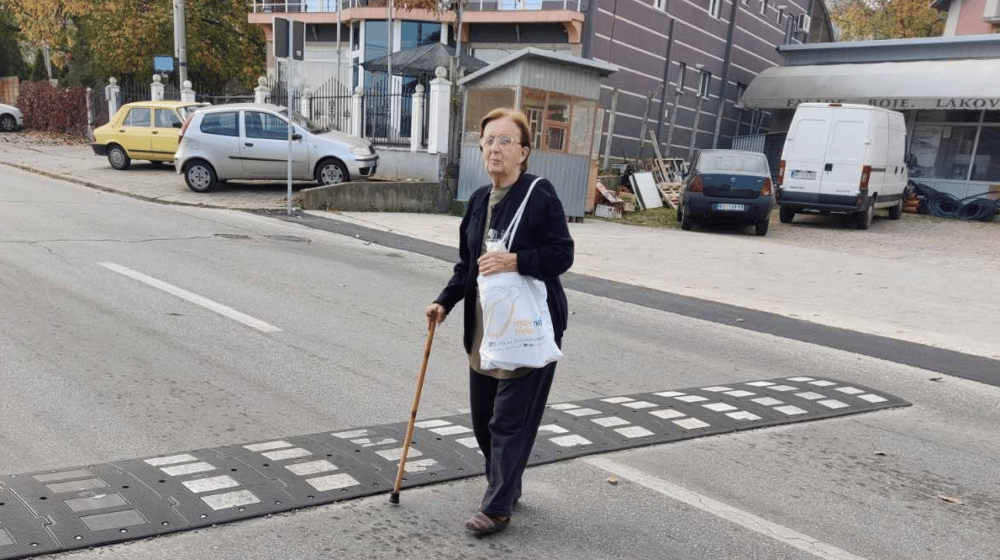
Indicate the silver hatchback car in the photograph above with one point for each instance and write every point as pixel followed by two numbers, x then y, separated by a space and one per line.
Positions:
pixel 250 141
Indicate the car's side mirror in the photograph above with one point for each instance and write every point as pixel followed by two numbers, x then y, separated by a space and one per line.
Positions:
pixel 296 136
pixel 176 125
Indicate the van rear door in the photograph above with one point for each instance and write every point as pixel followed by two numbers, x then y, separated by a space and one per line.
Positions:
pixel 805 150
pixel 845 156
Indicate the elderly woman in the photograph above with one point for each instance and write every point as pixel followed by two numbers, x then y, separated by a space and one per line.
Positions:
pixel 507 406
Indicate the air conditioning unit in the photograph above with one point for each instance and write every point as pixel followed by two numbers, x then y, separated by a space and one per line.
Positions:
pixel 802 23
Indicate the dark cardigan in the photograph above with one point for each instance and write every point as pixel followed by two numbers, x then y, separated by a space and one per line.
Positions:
pixel 542 243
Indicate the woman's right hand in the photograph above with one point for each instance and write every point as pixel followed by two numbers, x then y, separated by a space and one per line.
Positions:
pixel 436 314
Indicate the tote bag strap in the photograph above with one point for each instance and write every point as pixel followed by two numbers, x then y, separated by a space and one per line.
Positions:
pixel 509 236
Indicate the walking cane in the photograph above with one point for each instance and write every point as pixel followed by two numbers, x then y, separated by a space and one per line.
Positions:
pixel 394 497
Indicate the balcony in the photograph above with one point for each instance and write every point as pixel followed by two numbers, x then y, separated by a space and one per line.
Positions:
pixel 570 13
pixel 330 6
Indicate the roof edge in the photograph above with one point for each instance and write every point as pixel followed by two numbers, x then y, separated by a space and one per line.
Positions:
pixel 601 67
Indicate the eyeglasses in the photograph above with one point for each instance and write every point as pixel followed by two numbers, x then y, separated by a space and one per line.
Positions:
pixel 503 141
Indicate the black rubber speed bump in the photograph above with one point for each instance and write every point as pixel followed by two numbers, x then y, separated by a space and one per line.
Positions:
pixel 79 507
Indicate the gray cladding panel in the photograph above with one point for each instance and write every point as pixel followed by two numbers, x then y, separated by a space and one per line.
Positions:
pixel 504 76
pixel 562 79
pixel 567 173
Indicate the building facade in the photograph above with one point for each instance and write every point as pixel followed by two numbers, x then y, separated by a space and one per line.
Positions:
pixel 970 17
pixel 684 64
pixel 948 89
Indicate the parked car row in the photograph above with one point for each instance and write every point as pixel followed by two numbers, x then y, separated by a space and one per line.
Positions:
pixel 11 118
pixel 213 144
pixel 837 159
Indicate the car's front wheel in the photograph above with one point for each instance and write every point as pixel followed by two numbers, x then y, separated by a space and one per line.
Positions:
pixel 787 214
pixel 7 123
pixel 330 172
pixel 118 157
pixel 761 226
pixel 199 176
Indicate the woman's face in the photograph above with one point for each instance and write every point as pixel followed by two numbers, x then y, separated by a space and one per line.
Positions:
pixel 503 161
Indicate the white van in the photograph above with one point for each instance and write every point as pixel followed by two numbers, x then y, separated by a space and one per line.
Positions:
pixel 843 158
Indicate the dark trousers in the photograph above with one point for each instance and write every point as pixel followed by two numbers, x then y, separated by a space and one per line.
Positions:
pixel 506 414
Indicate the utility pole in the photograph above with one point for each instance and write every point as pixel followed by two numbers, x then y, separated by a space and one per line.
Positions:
pixel 180 41
pixel 725 73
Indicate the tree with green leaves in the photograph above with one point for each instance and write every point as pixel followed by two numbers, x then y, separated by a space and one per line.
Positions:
pixel 120 38
pixel 38 71
pixel 886 19
pixel 12 61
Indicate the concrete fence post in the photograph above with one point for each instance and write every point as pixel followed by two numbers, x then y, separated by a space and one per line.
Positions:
pixel 440 113
pixel 417 119
pixel 156 89
pixel 111 94
pixel 307 98
pixel 357 113
pixel 187 92
pixel 90 114
pixel 261 92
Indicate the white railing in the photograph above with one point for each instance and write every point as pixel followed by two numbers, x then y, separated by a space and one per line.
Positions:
pixel 321 6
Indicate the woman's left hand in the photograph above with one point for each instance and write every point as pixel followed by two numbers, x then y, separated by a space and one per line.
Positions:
pixel 496 262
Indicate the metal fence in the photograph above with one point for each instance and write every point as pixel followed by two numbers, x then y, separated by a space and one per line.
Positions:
pixel 386 112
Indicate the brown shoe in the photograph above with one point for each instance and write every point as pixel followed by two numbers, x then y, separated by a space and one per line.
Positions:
pixel 483 524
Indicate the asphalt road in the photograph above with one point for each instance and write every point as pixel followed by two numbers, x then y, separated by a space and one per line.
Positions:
pixel 97 366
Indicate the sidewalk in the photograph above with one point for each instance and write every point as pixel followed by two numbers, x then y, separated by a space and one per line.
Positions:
pixel 925 280
pixel 145 180
pixel 931 281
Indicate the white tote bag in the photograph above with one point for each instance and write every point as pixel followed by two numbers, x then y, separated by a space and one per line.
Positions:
pixel 517 326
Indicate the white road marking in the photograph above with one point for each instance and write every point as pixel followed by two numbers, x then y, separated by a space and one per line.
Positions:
pixel 743 518
pixel 193 298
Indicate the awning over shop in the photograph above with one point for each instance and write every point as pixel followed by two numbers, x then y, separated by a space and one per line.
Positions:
pixel 932 84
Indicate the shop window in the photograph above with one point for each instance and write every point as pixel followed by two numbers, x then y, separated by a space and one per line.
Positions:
pixel 992 117
pixel 481 101
pixel 580 137
pixel 557 120
pixel 941 152
pixel 947 116
pixel 533 106
pixel 987 161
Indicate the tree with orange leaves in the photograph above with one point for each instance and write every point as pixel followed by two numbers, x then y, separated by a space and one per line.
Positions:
pixel 886 19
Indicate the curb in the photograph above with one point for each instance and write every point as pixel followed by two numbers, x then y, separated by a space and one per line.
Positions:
pixel 106 189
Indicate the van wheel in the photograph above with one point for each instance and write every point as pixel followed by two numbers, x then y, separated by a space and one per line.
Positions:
pixel 896 212
pixel 787 214
pixel 865 218
pixel 199 176
pixel 118 157
pixel 760 228
pixel 686 222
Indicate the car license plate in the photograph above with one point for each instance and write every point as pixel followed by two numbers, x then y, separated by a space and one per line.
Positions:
pixel 800 174
pixel 730 207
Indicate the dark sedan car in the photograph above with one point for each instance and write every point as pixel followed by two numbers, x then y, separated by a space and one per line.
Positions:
pixel 727 186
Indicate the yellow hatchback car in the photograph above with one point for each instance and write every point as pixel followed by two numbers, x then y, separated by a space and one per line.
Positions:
pixel 145 130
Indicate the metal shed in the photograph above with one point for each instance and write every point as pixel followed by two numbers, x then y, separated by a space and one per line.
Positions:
pixel 559 94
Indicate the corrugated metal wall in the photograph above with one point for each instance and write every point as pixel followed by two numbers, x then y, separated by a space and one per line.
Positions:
pixel 545 75
pixel 567 173
pixel 559 78
pixel 752 143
